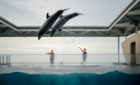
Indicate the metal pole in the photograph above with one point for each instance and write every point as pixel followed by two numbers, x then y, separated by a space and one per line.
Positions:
pixel 9 59
pixel 6 59
pixel 3 59
pixel 118 49
pixel 0 59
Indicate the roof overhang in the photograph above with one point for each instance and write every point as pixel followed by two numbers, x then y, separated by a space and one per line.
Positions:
pixel 127 23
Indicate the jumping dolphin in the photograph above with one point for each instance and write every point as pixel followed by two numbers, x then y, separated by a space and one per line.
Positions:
pixel 49 22
pixel 62 20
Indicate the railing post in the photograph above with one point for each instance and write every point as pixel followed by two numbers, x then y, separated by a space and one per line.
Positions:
pixel 0 59
pixel 9 61
pixel 3 59
pixel 6 59
pixel 118 49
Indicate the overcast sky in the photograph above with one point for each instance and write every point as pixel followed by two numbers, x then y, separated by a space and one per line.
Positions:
pixel 33 13
pixel 62 45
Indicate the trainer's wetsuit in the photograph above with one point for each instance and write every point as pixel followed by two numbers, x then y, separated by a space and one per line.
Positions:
pixel 52 57
pixel 84 55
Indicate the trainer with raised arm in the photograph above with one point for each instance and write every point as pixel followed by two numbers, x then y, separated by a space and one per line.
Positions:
pixel 84 54
pixel 52 57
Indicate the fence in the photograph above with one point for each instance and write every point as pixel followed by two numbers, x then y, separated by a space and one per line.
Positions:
pixel 5 59
pixel 65 59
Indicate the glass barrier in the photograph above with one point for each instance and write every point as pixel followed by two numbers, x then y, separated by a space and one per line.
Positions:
pixel 60 59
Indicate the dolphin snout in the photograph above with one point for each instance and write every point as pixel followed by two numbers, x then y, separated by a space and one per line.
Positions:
pixel 66 9
pixel 80 13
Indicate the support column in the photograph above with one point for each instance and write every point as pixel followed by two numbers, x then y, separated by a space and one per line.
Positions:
pixel 9 59
pixel 3 59
pixel 118 49
pixel 0 59
pixel 6 59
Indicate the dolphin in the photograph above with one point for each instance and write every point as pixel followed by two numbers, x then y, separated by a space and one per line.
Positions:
pixel 49 22
pixel 62 20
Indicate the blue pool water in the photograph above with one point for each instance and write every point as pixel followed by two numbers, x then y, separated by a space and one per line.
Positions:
pixel 110 78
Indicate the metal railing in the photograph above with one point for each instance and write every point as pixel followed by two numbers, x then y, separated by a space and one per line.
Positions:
pixel 65 59
pixel 5 59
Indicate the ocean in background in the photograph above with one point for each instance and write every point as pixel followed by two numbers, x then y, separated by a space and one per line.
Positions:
pixel 66 58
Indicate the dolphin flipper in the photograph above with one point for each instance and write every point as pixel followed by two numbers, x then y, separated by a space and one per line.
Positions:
pixel 47 16
pixel 61 16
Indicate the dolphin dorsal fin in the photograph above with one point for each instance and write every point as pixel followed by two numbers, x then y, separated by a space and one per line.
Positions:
pixel 47 16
